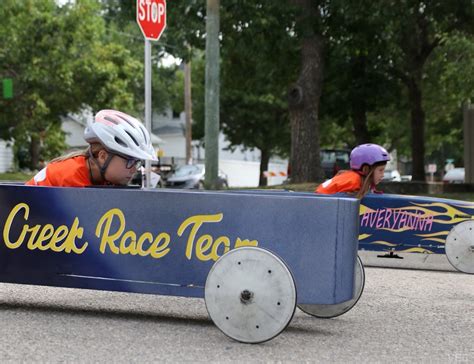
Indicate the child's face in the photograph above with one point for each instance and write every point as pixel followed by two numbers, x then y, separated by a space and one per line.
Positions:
pixel 117 172
pixel 378 174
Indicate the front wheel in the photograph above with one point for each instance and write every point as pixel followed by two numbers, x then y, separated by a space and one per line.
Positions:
pixel 250 295
pixel 459 247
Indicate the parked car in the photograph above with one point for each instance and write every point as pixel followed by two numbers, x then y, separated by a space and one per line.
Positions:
pixel 455 175
pixel 334 160
pixel 164 170
pixel 391 175
pixel 192 177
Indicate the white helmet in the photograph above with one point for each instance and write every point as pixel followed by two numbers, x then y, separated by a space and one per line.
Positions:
pixel 120 133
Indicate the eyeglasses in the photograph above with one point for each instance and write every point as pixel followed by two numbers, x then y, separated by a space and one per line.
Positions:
pixel 130 163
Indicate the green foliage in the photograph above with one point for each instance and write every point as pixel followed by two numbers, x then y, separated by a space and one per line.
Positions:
pixel 448 86
pixel 61 59
pixel 90 53
pixel 259 61
pixel 409 41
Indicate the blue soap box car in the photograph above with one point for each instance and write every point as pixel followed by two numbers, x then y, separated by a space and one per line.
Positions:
pixel 394 226
pixel 252 256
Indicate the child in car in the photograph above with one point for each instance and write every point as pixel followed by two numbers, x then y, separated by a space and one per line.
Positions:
pixel 367 162
pixel 118 143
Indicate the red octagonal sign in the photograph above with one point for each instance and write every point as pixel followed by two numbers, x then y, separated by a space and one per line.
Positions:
pixel 151 17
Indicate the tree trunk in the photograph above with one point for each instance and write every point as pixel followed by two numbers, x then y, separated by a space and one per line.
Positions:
pixel 35 147
pixel 264 161
pixel 358 104
pixel 417 129
pixel 304 107
pixel 359 122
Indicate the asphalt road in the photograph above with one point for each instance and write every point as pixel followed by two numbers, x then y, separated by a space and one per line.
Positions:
pixel 403 316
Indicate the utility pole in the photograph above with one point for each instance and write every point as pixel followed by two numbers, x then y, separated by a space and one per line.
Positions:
pixel 211 138
pixel 188 110
pixel 469 144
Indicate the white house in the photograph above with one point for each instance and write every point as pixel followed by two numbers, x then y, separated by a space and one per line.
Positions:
pixel 6 156
pixel 242 167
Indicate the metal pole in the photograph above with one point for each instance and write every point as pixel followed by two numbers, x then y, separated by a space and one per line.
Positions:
pixel 147 104
pixel 469 144
pixel 212 94
pixel 188 109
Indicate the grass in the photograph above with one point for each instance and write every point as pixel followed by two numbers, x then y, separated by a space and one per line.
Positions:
pixel 16 176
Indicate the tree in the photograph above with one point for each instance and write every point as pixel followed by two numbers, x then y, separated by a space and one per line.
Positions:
pixel 304 95
pixel 256 41
pixel 254 106
pixel 356 78
pixel 59 65
pixel 416 28
pixel 447 87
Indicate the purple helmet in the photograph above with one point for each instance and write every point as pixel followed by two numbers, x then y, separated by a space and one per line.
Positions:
pixel 368 154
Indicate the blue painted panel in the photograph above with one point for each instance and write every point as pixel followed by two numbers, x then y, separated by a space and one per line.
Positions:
pixel 409 223
pixel 102 238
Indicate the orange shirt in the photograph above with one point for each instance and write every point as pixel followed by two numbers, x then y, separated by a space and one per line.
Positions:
pixel 72 172
pixel 348 181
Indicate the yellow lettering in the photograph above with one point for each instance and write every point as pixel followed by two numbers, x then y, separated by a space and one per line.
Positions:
pixel 222 240
pixel 157 250
pixel 196 222
pixel 45 234
pixel 59 235
pixel 130 248
pixel 70 242
pixel 106 220
pixel 8 224
pixel 128 241
pixel 143 237
pixel 31 241
pixel 202 245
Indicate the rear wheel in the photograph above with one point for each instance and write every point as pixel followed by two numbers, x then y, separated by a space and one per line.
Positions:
pixel 329 311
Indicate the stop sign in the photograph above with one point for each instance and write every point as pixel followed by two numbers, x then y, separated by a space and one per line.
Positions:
pixel 151 17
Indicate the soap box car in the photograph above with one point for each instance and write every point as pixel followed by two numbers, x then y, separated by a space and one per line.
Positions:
pixel 418 232
pixel 391 226
pixel 253 257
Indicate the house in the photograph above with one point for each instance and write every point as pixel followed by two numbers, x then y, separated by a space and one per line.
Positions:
pixel 242 166
pixel 6 156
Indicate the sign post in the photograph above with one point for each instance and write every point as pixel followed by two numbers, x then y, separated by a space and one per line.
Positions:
pixel 151 18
